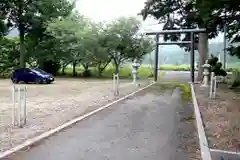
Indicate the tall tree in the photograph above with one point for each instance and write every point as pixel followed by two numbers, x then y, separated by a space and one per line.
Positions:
pixel 28 16
pixel 183 14
pixel 70 36
pixel 123 41
pixel 9 53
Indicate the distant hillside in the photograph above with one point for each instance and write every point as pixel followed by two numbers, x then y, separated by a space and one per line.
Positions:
pixel 176 55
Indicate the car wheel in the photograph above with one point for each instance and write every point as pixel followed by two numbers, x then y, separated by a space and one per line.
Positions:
pixel 15 81
pixel 38 81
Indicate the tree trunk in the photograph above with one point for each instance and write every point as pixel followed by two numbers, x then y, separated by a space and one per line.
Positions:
pixel 21 33
pixel 74 68
pixel 64 65
pixel 100 70
pixel 116 68
pixel 85 66
pixel 63 69
pixel 202 53
pixel 22 52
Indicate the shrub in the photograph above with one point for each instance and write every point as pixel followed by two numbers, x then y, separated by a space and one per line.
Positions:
pixel 86 73
pixel 50 66
pixel 216 66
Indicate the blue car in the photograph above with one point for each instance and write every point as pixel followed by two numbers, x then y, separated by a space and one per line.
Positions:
pixel 31 75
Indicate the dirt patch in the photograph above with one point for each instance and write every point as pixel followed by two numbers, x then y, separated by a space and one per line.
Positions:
pixel 49 106
pixel 221 117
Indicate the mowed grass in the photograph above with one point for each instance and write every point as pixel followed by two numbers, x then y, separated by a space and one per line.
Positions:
pixel 145 71
pixel 124 72
pixel 233 66
pixel 171 67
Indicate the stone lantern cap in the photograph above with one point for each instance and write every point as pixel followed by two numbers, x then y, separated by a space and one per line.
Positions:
pixel 206 65
pixel 135 64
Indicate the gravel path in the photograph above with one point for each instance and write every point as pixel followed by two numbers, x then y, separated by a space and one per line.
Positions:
pixel 51 105
pixel 148 126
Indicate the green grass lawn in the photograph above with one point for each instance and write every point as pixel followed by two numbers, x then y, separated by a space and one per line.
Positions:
pixel 233 66
pixel 124 72
pixel 145 71
pixel 170 67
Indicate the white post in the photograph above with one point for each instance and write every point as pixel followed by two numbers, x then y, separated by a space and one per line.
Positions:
pixel 116 84
pixel 213 86
pixel 25 106
pixel 19 110
pixel 14 106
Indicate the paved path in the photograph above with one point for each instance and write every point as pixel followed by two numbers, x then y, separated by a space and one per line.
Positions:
pixel 144 127
pixel 180 76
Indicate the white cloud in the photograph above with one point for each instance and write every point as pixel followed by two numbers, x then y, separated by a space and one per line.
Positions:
pixel 107 10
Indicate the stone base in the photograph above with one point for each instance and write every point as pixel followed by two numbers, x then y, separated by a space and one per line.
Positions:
pixel 204 85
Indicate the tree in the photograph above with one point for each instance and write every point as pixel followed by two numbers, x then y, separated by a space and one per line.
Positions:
pixel 70 36
pixel 180 14
pixel 100 56
pixel 234 48
pixel 9 52
pixel 29 16
pixel 124 41
pixel 216 66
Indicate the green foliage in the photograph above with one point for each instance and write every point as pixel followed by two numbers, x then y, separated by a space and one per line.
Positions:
pixel 82 41
pixel 51 34
pixel 124 42
pixel 124 72
pixel 185 92
pixel 216 66
pixel 234 50
pixel 29 17
pixel 50 66
pixel 9 52
pixel 193 13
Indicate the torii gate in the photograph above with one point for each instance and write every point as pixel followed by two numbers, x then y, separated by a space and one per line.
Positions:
pixel 192 31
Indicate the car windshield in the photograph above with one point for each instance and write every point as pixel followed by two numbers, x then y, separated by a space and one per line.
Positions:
pixel 37 70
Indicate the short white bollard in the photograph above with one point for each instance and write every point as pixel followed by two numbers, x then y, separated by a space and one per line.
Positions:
pixel 213 85
pixel 116 84
pixel 19 110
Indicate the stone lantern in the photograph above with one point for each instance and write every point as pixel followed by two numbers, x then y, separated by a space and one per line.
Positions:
pixel 206 74
pixel 135 67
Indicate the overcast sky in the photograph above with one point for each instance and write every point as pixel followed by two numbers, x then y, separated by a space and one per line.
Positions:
pixel 107 10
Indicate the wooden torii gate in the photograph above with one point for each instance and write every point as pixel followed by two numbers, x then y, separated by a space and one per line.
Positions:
pixel 192 42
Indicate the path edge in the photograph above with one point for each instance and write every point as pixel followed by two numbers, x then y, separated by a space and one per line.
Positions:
pixel 53 131
pixel 205 150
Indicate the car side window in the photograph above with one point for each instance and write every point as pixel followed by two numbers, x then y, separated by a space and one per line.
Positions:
pixel 27 70
pixel 16 71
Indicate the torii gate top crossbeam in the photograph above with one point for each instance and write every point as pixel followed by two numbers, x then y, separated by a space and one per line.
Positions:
pixel 200 30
